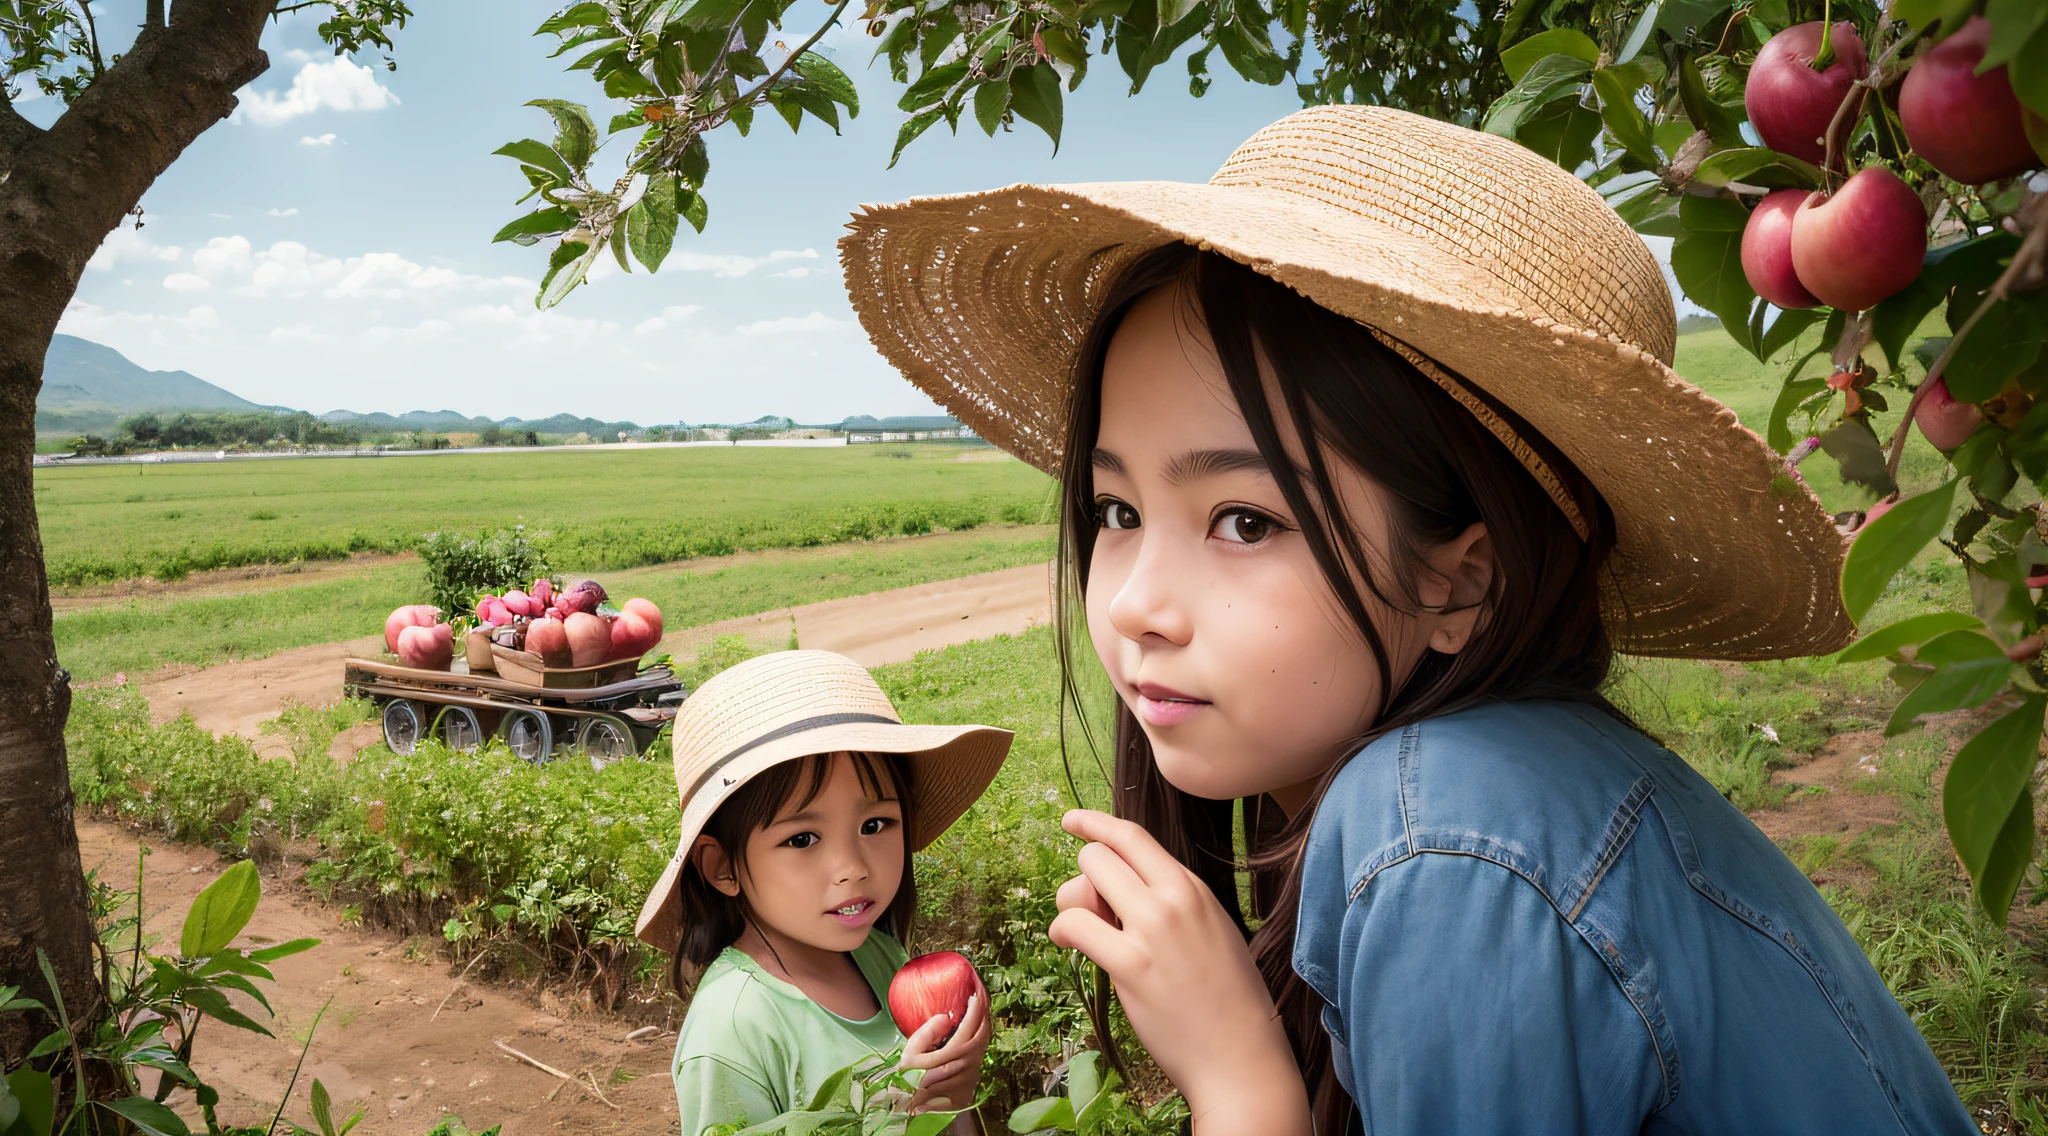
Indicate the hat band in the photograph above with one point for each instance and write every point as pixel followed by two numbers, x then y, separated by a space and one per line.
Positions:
pixel 802 725
pixel 1498 426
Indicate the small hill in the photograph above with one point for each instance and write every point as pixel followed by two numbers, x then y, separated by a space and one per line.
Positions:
pixel 411 420
pixel 900 422
pixel 89 387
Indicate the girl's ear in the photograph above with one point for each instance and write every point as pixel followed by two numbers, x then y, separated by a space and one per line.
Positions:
pixel 1455 584
pixel 714 866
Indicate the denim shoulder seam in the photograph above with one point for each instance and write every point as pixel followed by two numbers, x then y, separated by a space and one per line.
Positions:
pixel 1621 827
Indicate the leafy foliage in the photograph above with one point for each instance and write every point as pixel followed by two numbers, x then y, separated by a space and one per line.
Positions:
pixel 1648 107
pixel 459 567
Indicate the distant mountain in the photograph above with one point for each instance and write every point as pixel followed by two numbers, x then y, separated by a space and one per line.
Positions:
pixel 89 388
pixel 445 420
pixel 901 422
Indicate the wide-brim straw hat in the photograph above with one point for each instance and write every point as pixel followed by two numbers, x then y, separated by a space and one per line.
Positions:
pixel 791 704
pixel 1468 248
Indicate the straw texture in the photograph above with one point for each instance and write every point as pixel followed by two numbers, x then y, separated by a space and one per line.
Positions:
pixel 1505 270
pixel 791 704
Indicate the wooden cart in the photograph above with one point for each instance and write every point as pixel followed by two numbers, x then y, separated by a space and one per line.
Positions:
pixel 604 723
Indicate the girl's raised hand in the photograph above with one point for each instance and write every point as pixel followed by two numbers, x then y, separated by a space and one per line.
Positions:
pixel 953 1070
pixel 1185 976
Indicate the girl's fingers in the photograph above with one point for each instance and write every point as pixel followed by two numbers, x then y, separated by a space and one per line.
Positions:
pixel 971 1035
pixel 918 1047
pixel 1130 841
pixel 1079 893
pixel 1078 930
pixel 1116 884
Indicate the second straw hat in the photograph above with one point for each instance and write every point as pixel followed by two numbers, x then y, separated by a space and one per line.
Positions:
pixel 790 704
pixel 1468 248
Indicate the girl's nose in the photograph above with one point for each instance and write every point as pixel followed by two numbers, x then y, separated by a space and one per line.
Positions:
pixel 1150 602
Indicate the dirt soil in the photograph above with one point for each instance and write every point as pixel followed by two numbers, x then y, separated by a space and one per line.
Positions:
pixel 381 1045
pixel 878 628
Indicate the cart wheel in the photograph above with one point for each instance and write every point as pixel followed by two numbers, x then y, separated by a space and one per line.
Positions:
pixel 401 726
pixel 528 735
pixel 605 740
pixel 459 729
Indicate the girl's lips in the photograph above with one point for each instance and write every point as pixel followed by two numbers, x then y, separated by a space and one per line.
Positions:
pixel 1164 706
pixel 854 912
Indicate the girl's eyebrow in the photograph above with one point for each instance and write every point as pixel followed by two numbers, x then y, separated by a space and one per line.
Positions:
pixel 1104 460
pixel 1197 464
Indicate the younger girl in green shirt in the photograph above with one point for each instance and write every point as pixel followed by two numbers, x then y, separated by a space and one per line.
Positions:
pixel 803 796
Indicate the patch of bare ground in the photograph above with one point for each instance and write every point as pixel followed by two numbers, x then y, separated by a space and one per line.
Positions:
pixel 242 581
pixel 403 1036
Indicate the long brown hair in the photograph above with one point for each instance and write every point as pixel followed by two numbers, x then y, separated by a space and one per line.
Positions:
pixel 1539 635
pixel 713 920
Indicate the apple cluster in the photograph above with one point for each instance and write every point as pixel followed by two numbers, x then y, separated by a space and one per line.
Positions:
pixel 1864 242
pixel 573 628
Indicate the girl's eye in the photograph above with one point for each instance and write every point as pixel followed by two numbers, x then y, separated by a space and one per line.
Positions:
pixel 802 840
pixel 1111 513
pixel 1242 526
pixel 874 826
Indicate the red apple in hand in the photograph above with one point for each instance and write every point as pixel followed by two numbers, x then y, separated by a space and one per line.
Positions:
pixel 1966 125
pixel 1767 250
pixel 1943 421
pixel 590 639
pixel 930 985
pixel 1790 103
pixel 1862 243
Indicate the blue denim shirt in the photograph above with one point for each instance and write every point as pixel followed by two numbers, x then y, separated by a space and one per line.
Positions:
pixel 1528 918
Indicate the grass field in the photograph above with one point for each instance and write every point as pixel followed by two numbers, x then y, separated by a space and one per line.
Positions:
pixel 596 510
pixel 141 635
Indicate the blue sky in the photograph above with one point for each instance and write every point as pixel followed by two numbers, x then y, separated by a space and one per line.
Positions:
pixel 329 247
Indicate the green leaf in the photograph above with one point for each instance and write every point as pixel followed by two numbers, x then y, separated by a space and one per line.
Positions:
pixel 1035 96
pixel 908 132
pixel 1250 56
pixel 34 1097
pixel 1969 265
pixel 1795 391
pixel 148 1115
pixel 575 134
pixel 1624 120
pixel 1854 446
pixel 1961 645
pixel 283 950
pixel 826 77
pixel 1551 78
pixel 589 15
pixel 1650 211
pixel 1055 1113
pixel 1084 1078
pixel 1172 12
pixel 2013 23
pixel 1956 686
pixel 1701 109
pixel 929 1123
pixel 1681 16
pixel 536 225
pixel 323 1109
pixel 539 156
pixel 691 207
pixel 2027 71
pixel 221 911
pixel 834 1088
pixel 1922 14
pixel 1988 779
pixel 1891 639
pixel 1712 214
pixel 696 163
pixel 1708 265
pixel 1889 543
pixel 651 222
pixel 991 99
pixel 1755 165
pixel 2011 856
pixel 933 85
pixel 1563 133
pixel 1639 36
pixel 214 1004
pixel 1568 42
pixel 1519 14
pixel 59 1039
pixel 1787 327
pixel 2005 341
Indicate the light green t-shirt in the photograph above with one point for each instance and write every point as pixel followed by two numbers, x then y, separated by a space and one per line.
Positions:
pixel 754 1046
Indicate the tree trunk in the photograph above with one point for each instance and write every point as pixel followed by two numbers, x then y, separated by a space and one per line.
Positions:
pixel 62 190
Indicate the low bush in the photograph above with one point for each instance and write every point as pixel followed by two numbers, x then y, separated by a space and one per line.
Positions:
pixel 458 567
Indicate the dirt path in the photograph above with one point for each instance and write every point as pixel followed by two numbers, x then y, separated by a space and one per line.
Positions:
pixel 381 1045
pixel 877 628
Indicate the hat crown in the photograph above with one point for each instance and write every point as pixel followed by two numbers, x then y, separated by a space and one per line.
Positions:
pixel 1496 205
pixel 767 693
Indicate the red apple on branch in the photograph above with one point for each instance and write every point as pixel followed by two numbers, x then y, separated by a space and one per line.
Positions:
pixel 931 985
pixel 1943 421
pixel 1861 243
pixel 1767 250
pixel 1791 104
pixel 1966 125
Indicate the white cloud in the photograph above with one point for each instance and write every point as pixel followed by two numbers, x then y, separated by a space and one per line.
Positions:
pixel 790 274
pixel 726 264
pixel 674 313
pixel 292 212
pixel 186 282
pixel 793 325
pixel 337 84
pixel 290 269
pixel 320 140
pixel 125 243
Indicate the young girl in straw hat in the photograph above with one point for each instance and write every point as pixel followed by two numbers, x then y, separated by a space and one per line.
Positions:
pixel 791 889
pixel 1371 458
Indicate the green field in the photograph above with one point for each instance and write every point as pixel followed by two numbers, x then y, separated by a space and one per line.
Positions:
pixel 594 509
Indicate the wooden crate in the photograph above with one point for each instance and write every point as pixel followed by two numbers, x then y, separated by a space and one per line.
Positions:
pixel 526 667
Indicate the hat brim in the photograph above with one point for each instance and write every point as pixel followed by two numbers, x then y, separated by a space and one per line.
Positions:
pixel 950 767
pixel 982 300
